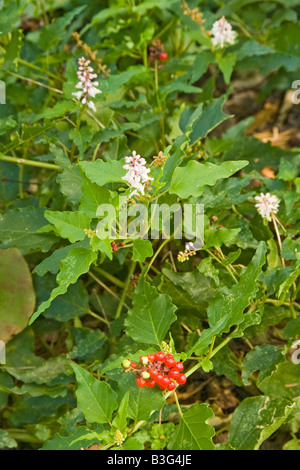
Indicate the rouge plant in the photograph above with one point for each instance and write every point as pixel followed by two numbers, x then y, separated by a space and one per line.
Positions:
pixel 149 225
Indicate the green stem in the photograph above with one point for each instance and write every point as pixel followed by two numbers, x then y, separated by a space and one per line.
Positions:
pixel 156 254
pixel 126 287
pixel 177 403
pixel 110 277
pixel 38 69
pixel 21 161
pixel 95 315
pixel 224 265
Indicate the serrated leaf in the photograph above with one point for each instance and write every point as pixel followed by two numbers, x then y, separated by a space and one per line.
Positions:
pixel 193 432
pixel 233 303
pixel 18 228
pixel 256 419
pixel 190 179
pixel 142 401
pixel 95 398
pixel 76 263
pixel 101 172
pixel 142 249
pixel 151 316
pixel 69 225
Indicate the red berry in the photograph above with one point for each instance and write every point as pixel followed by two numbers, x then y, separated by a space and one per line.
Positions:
pixel 164 382
pixel 151 357
pixel 174 374
pixel 181 379
pixel 153 373
pixel 159 356
pixel 171 386
pixel 133 365
pixel 140 382
pixel 158 378
pixel 163 56
pixel 169 360
pixel 178 366
pixel 150 383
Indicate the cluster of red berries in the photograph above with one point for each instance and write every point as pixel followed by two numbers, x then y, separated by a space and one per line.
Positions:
pixel 115 246
pixel 157 52
pixel 158 368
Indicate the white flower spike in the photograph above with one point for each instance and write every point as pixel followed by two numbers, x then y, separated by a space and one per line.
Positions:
pixel 137 174
pixel 87 88
pixel 222 33
pixel 267 205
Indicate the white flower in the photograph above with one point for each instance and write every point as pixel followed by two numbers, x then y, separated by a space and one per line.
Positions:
pixel 222 33
pixel 267 205
pixel 137 174
pixel 87 88
pixel 189 246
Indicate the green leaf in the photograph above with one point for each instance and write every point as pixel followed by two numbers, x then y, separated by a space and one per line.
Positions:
pixel 288 282
pixel 151 316
pixel 193 432
pixel 234 302
pixel 69 225
pixel 216 237
pixel 142 249
pixel 69 177
pixel 120 420
pixel 76 263
pixel 190 179
pixel 18 228
pixel 101 172
pixel 95 398
pixel 226 64
pixel 92 196
pixel 16 293
pixel 142 401
pixel 263 358
pixel 6 441
pixel 256 419
pixel 211 116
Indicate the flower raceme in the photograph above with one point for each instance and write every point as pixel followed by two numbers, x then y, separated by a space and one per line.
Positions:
pixel 86 85
pixel 137 174
pixel 222 33
pixel 158 368
pixel 267 205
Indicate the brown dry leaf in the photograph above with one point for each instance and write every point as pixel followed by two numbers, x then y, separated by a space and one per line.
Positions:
pixel 267 172
pixel 278 139
pixel 263 117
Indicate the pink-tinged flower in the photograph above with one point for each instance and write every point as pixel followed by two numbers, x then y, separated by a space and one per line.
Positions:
pixel 137 174
pixel 267 205
pixel 86 85
pixel 222 33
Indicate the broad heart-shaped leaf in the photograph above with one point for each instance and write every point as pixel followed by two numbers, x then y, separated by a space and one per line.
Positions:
pixel 16 293
pixel 18 228
pixel 255 419
pixel 190 179
pixel 101 172
pixel 69 225
pixel 142 401
pixel 92 196
pixel 193 432
pixel 151 316
pixel 95 398
pixel 142 249
pixel 76 263
pixel 234 302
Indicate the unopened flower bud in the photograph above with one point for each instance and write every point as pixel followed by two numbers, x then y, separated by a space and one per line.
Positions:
pixel 126 363
pixel 144 360
pixel 145 375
